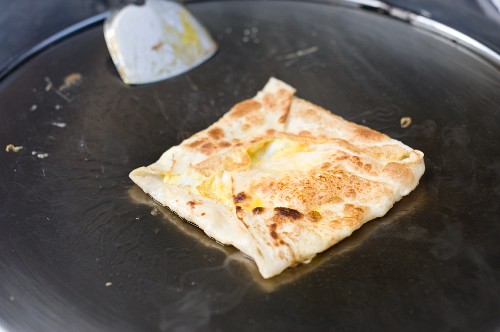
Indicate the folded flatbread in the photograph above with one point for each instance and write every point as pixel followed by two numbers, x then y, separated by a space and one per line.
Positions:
pixel 282 179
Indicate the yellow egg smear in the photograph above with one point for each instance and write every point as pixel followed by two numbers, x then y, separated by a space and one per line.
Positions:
pixel 254 203
pixel 190 36
pixel 278 148
pixel 218 186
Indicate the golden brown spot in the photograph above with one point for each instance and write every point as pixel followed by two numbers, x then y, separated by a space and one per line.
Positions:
pixel 196 143
pixel 368 134
pixel 224 144
pixel 272 231
pixel 305 133
pixel 367 167
pixel 310 112
pixel 270 131
pixel 314 216
pixel 350 193
pixel 244 108
pixel 288 213
pixel 240 197
pixel 356 212
pixel 245 127
pixel 282 242
pixel 258 210
pixel 203 213
pixel 269 100
pixel 216 133
pixel 282 118
pixel 399 171
pixel 341 155
pixel 326 165
pixel 207 148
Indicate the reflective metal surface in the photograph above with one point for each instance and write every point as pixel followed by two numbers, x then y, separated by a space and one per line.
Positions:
pixel 81 250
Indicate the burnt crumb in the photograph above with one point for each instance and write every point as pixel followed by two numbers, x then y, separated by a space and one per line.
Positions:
pixel 13 148
pixel 240 197
pixel 71 80
pixel 405 122
pixel 258 210
pixel 274 235
pixel 203 213
pixel 238 208
pixel 155 212
pixel 288 213
pixel 282 242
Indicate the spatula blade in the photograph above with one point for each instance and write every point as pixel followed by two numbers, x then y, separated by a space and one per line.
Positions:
pixel 156 41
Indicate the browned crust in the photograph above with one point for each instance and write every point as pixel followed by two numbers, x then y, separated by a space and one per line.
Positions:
pixel 244 108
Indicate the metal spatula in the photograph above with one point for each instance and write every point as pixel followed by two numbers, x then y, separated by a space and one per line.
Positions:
pixel 156 41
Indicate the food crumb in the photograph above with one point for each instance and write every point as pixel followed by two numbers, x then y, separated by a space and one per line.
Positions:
pixel 155 212
pixel 33 107
pixel 108 284
pixel 59 124
pixel 13 148
pixel 71 80
pixel 58 107
pixel 11 298
pixel 42 155
pixel 405 122
pixel 48 86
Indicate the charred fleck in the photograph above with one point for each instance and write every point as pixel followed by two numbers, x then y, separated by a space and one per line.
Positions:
pixel 240 197
pixel 192 203
pixel 258 210
pixel 288 213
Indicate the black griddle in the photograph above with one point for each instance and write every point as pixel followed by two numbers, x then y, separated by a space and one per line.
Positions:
pixel 83 249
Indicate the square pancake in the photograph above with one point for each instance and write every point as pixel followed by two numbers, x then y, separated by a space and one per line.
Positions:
pixel 282 179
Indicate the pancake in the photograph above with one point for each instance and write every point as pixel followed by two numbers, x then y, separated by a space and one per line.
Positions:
pixel 282 179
